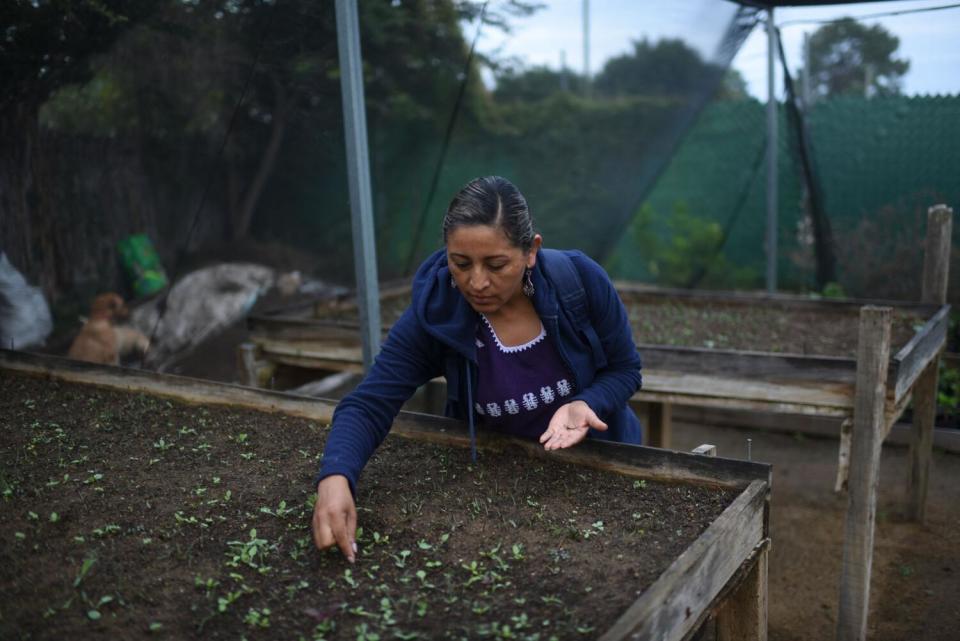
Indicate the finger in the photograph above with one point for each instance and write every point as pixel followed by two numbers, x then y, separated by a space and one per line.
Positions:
pixel 322 536
pixel 597 424
pixel 557 438
pixel 594 421
pixel 343 539
pixel 352 529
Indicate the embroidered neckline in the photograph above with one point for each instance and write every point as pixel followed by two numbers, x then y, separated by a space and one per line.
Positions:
pixel 514 348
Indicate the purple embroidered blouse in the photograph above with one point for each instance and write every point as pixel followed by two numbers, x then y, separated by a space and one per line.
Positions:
pixel 519 387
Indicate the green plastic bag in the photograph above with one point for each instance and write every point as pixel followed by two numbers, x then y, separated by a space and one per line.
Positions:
pixel 142 265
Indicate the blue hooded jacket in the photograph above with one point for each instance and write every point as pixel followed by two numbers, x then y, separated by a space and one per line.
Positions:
pixel 436 336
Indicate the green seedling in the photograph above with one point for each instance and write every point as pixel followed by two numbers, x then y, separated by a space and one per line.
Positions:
pixel 281 511
pixel 364 633
pixel 257 618
pixel 639 485
pixel 106 530
pixel 348 578
pixel 162 445
pixel 207 585
pixel 249 552
pixel 84 569
pixel 401 560
pixel 386 612
pixel 225 601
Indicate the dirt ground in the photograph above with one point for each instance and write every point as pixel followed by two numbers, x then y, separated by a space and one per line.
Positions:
pixel 916 568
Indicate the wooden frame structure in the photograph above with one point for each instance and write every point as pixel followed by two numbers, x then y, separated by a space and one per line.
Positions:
pixel 868 395
pixel 721 576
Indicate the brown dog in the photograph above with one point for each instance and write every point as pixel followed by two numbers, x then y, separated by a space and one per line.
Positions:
pixel 100 340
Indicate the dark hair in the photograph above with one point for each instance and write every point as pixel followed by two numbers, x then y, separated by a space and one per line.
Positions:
pixel 492 201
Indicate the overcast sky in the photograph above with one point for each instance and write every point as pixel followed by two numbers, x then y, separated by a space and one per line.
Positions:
pixel 929 40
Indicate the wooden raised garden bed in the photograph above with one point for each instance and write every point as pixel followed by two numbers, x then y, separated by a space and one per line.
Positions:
pixel 775 353
pixel 143 505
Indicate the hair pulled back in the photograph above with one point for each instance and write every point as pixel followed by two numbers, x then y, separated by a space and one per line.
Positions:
pixel 495 202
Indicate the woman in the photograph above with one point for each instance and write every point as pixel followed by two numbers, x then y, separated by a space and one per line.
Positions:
pixel 532 342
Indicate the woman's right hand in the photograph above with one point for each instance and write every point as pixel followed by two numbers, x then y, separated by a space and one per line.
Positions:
pixel 335 516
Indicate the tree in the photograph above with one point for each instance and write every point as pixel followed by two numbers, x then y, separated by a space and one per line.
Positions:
pixel 534 84
pixel 669 66
pixel 847 57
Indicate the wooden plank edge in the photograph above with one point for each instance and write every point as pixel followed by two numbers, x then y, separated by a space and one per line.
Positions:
pixel 643 290
pixel 946 439
pixel 181 388
pixel 735 581
pixel 925 345
pixel 776 407
pixel 633 461
pixel 670 608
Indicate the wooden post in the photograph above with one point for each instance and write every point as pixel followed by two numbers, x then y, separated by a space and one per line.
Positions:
pixel 873 357
pixel 247 361
pixel 254 372
pixel 843 461
pixel 743 615
pixel 936 272
pixel 660 424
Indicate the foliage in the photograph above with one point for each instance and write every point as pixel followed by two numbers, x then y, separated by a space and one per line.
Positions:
pixel 948 391
pixel 535 84
pixel 668 67
pixel 683 250
pixel 847 57
pixel 46 41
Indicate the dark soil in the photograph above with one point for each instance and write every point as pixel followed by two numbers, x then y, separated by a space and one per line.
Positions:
pixel 128 516
pixel 757 328
pixel 716 325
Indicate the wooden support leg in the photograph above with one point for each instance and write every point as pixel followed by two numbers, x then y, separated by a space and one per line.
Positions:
pixel 936 272
pixel 660 424
pixel 843 461
pixel 743 615
pixel 247 361
pixel 921 440
pixel 253 371
pixel 873 355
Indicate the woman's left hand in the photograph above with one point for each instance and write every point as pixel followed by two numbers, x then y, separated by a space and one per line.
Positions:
pixel 569 425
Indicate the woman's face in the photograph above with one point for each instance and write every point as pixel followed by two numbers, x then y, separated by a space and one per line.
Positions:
pixel 486 267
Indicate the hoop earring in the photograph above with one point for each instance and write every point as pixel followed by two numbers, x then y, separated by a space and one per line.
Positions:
pixel 527 287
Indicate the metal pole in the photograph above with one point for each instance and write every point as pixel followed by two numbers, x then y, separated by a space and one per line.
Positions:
pixel 807 96
pixel 771 158
pixel 586 47
pixel 358 177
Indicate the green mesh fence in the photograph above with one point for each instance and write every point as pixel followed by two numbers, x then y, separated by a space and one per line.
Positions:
pixel 881 163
